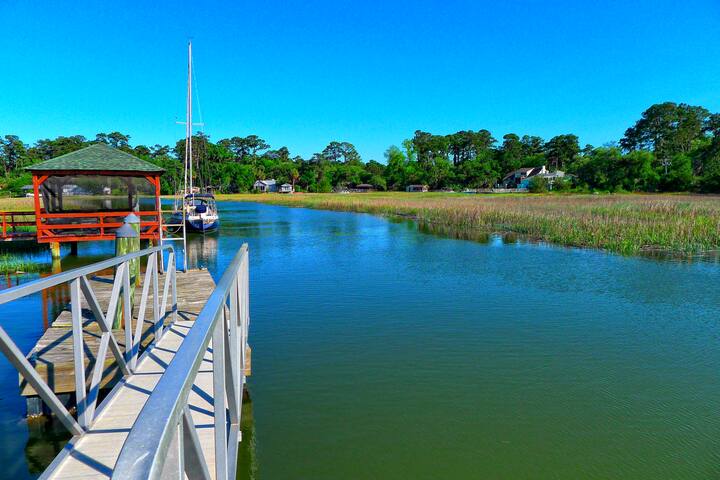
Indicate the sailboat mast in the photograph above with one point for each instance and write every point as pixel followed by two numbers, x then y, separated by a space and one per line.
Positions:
pixel 188 129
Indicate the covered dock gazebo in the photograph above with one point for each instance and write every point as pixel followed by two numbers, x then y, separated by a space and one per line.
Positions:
pixel 84 195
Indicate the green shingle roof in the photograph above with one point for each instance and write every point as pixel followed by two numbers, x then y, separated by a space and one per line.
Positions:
pixel 97 157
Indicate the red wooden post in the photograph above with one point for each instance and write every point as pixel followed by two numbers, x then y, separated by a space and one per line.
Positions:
pixel 36 197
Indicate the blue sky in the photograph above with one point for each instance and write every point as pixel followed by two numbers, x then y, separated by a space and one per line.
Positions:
pixel 302 74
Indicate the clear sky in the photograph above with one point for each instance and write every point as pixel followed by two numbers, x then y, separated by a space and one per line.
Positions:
pixel 304 73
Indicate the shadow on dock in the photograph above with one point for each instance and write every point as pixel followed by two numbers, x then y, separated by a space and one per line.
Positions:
pixel 47 437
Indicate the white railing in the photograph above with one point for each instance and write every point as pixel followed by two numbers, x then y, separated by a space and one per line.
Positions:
pixel 80 287
pixel 163 442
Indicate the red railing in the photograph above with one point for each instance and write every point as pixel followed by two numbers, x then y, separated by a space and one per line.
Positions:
pixel 17 225
pixel 92 226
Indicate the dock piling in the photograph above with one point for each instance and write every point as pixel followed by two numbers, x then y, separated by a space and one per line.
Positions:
pixel 127 240
pixel 55 249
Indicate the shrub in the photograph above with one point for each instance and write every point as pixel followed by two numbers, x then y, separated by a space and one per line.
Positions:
pixel 561 185
pixel 538 185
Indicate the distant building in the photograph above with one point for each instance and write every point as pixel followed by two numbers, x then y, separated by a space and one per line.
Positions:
pixel 363 188
pixel 520 178
pixel 266 186
pixel 285 188
pixel 28 191
pixel 552 177
pixel 417 188
pixel 72 189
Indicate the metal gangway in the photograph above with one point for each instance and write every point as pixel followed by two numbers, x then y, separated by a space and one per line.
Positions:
pixel 175 411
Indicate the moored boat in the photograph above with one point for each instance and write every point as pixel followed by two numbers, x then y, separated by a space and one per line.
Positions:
pixel 198 210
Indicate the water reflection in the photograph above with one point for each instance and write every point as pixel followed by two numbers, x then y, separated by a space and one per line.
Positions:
pixel 247 458
pixel 202 251
pixel 46 437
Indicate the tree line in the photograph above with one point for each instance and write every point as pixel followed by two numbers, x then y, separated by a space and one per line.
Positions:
pixel 671 147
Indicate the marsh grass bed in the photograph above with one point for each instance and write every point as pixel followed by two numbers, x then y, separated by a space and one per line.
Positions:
pixel 627 223
pixel 10 263
pixel 16 204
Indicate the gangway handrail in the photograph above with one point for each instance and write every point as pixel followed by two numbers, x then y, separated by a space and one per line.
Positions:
pixel 163 441
pixel 56 279
pixel 86 400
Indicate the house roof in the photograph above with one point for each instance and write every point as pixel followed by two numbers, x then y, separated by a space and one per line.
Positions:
pixel 98 157
pixel 272 181
pixel 363 185
pixel 522 171
pixel 556 173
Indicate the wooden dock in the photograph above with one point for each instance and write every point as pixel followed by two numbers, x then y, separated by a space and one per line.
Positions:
pixel 93 454
pixel 52 355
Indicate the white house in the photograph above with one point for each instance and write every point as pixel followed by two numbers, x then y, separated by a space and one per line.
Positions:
pixel 72 189
pixel 520 178
pixel 285 188
pixel 551 177
pixel 266 186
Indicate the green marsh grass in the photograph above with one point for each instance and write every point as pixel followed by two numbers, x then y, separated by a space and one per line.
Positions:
pixel 15 264
pixel 628 223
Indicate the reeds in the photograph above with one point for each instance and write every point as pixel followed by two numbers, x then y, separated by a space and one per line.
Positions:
pixel 15 264
pixel 628 224
pixel 16 204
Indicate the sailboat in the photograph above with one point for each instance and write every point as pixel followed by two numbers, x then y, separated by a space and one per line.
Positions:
pixel 197 207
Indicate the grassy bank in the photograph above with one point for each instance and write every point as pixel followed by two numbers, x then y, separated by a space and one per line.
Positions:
pixel 16 204
pixel 629 224
pixel 626 224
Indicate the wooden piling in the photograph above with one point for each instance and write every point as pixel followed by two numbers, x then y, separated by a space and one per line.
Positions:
pixel 134 222
pixel 127 240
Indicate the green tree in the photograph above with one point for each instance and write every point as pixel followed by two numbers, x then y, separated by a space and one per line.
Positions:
pixel 562 151
pixel 46 149
pixel 396 172
pixel 636 172
pixel 668 129
pixel 679 177
pixel 13 153
pixel 511 153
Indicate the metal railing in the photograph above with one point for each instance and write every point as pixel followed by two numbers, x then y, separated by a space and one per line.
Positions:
pixel 86 398
pixel 163 442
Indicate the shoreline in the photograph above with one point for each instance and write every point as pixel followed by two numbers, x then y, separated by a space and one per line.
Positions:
pixel 677 225
pixel 630 224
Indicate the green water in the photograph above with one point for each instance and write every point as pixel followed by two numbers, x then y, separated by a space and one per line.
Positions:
pixel 383 352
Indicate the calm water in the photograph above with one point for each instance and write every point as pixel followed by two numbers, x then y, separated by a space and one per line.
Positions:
pixel 383 352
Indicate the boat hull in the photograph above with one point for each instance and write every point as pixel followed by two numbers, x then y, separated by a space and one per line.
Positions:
pixel 194 225
pixel 202 226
